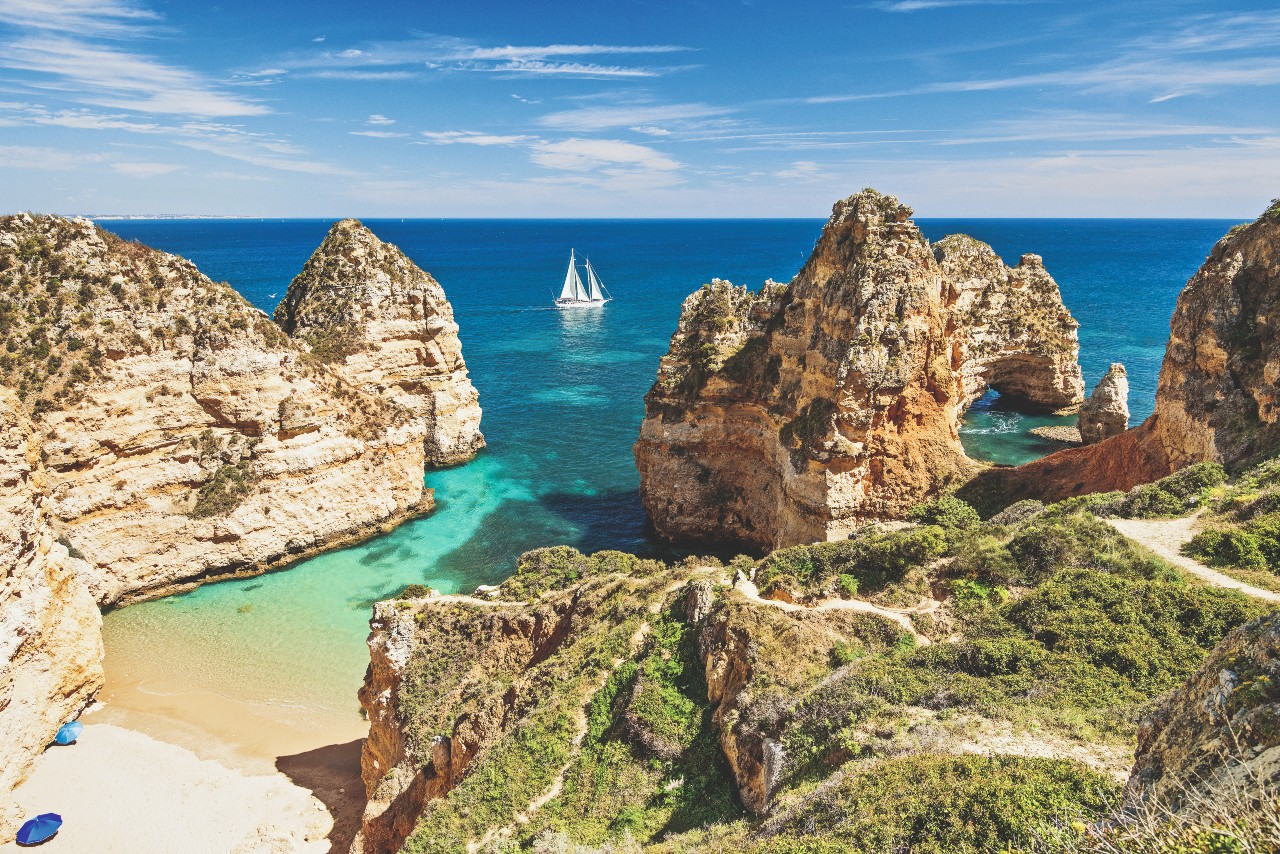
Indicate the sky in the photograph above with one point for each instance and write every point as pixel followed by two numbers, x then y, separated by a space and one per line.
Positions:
pixel 661 108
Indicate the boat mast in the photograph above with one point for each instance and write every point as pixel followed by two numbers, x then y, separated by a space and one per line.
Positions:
pixel 572 284
pixel 596 286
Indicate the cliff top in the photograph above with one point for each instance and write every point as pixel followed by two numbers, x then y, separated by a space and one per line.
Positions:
pixel 345 284
pixel 74 298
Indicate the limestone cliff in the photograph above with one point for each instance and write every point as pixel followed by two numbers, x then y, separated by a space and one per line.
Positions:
pixel 1218 398
pixel 184 434
pixel 50 629
pixel 1106 412
pixel 386 326
pixel 795 413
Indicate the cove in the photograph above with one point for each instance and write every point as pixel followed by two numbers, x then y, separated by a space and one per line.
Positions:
pixel 270 665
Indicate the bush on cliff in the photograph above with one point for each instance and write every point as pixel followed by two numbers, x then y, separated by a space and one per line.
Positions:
pixel 1175 495
pixel 947 512
pixel 868 564
pixel 935 803
pixel 558 567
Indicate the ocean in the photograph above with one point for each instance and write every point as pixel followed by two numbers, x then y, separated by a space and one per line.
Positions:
pixel 562 394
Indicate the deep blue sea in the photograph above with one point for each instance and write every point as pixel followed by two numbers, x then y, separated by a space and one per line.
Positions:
pixel 562 398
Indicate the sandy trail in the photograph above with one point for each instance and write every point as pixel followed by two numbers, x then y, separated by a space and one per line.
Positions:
pixel 1166 537
pixel 901 616
pixel 119 790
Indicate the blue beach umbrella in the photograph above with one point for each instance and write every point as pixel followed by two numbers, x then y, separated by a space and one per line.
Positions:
pixel 39 829
pixel 68 732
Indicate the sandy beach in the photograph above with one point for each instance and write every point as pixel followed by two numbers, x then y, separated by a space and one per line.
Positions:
pixel 133 783
pixel 119 790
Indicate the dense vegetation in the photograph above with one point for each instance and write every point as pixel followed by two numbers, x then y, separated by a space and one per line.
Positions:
pixel 1241 532
pixel 1055 631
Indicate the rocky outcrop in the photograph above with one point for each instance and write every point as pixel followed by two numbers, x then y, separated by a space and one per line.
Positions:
pixel 50 629
pixel 1218 735
pixel 1219 393
pixel 1218 399
pixel 184 434
pixel 797 412
pixel 386 326
pixel 1106 412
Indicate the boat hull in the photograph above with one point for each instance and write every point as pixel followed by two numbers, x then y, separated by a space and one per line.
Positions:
pixel 573 303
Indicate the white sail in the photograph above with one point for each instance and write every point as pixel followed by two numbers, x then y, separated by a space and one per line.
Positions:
pixel 593 289
pixel 572 284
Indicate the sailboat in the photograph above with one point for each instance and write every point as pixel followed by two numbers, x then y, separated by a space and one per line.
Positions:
pixel 575 294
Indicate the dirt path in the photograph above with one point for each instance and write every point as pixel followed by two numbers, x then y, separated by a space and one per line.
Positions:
pixel 1166 537
pixel 900 616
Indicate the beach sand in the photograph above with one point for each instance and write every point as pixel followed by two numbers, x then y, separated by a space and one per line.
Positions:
pixel 183 772
pixel 119 790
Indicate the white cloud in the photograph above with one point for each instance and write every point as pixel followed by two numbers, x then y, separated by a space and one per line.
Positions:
pixel 920 5
pixel 103 18
pixel 627 116
pixel 108 77
pixel 543 51
pixel 144 170
pixel 356 74
pixel 801 170
pixel 584 155
pixel 650 130
pixel 379 134
pixel 223 139
pixel 43 159
pixel 1191 56
pixel 379 119
pixel 471 137
pixel 449 54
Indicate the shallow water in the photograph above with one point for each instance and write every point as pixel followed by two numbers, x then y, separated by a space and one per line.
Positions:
pixel 274 662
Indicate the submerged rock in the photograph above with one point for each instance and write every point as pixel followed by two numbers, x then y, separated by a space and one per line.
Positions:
pixel 185 435
pixel 1106 412
pixel 797 412
pixel 50 629
pixel 386 326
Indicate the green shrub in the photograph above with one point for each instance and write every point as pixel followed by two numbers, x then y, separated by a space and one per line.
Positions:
pixel 845 653
pixel 224 492
pixel 931 804
pixel 557 567
pixel 1174 495
pixel 1018 512
pixel 1230 547
pixel 873 561
pixel 947 512
pixel 415 591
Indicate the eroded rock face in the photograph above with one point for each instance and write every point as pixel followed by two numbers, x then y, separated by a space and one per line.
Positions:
pixel 1218 399
pixel 185 435
pixel 50 629
pixel 795 413
pixel 1106 412
pixel 1221 729
pixel 1219 392
pixel 387 327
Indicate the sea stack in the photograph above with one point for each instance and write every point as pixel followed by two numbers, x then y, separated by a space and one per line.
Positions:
pixel 1106 412
pixel 50 628
pixel 184 435
pixel 386 326
pixel 797 412
pixel 1218 399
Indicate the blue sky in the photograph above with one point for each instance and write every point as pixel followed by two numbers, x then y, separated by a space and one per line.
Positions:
pixel 619 109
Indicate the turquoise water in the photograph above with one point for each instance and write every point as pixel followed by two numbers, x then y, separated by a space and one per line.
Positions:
pixel 562 394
